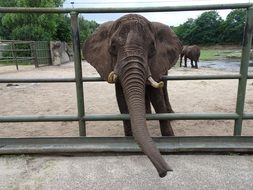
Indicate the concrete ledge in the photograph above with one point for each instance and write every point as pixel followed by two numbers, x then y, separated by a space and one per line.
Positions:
pixel 72 145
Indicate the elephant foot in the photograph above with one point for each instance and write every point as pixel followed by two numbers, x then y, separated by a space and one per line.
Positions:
pixel 166 129
pixel 128 134
pixel 170 134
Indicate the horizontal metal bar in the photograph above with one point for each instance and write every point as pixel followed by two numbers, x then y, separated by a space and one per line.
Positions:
pixel 36 80
pixel 201 77
pixel 48 80
pixel 71 145
pixel 99 79
pixel 15 41
pixel 34 118
pixel 118 117
pixel 42 57
pixel 16 50
pixel 125 9
pixel 250 76
pixel 248 115
pixel 165 116
pixel 3 60
pixel 21 58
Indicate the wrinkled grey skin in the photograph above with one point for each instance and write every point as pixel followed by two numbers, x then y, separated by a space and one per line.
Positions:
pixel 191 52
pixel 135 49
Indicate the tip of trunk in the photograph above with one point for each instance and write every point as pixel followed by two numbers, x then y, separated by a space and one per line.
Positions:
pixel 164 172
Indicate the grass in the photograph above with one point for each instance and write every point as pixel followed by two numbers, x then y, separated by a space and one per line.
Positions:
pixel 13 63
pixel 217 52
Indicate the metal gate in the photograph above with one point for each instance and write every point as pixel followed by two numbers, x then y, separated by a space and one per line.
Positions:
pixel 41 50
pixel 115 144
pixel 18 52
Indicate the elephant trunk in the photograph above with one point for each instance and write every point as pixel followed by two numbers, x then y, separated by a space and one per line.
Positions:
pixel 133 80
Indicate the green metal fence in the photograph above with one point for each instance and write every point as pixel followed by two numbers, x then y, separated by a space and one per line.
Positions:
pixel 42 53
pixel 18 52
pixel 119 144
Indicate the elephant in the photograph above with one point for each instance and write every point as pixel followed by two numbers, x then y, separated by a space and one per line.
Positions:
pixel 192 52
pixel 134 53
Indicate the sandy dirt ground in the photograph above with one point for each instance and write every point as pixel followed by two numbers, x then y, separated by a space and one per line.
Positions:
pixel 60 99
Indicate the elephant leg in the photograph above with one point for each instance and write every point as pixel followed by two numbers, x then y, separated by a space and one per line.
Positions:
pixel 147 102
pixel 196 65
pixel 185 61
pixel 192 63
pixel 166 98
pixel 159 104
pixel 180 63
pixel 123 108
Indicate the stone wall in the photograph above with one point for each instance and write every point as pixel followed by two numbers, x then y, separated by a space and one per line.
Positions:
pixel 61 52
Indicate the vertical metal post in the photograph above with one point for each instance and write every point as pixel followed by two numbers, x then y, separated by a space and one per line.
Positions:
pixel 14 54
pixel 78 72
pixel 50 61
pixel 34 54
pixel 247 40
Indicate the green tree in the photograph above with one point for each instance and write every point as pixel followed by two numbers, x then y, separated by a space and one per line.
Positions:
pixel 3 30
pixel 206 28
pixel 40 26
pixel 29 26
pixel 63 29
pixel 233 26
pixel 184 31
pixel 86 28
pixel 209 28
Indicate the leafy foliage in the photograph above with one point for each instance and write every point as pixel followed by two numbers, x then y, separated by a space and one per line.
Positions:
pixel 40 26
pixel 209 28
pixel 63 29
pixel 233 26
pixel 86 28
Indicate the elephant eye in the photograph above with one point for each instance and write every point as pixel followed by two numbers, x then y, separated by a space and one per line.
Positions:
pixel 113 48
pixel 152 50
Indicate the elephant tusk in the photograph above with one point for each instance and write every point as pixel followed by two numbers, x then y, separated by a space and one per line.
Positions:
pixel 112 77
pixel 154 83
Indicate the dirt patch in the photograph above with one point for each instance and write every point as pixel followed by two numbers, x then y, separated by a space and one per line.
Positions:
pixel 60 99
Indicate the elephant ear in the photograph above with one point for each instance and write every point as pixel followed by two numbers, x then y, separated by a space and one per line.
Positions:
pixel 95 50
pixel 168 49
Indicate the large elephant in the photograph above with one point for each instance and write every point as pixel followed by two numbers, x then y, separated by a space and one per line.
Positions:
pixel 191 52
pixel 134 53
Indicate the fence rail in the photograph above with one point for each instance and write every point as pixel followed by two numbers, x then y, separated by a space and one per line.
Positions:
pixel 126 9
pixel 25 52
pixel 112 144
pixel 99 79
pixel 70 145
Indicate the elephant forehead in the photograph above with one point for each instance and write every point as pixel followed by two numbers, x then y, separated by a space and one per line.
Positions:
pixel 128 51
pixel 133 17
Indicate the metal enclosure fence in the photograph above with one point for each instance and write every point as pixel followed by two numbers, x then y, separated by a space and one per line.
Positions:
pixel 115 144
pixel 25 52
pixel 41 50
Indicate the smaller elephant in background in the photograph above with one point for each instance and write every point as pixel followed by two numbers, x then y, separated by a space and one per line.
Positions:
pixel 192 52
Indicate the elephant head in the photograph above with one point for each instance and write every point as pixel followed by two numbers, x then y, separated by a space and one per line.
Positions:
pixel 135 52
